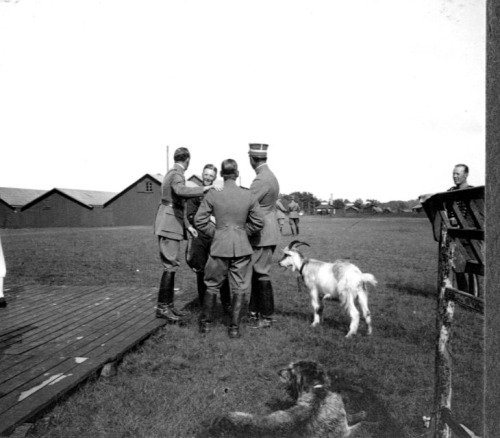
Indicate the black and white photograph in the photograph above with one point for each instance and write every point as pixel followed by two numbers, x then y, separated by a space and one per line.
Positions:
pixel 245 218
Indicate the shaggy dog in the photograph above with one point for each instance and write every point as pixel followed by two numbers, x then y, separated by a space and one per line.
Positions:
pixel 338 280
pixel 317 412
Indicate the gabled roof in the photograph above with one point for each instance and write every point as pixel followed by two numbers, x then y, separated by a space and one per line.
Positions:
pixel 154 176
pixel 19 197
pixel 88 198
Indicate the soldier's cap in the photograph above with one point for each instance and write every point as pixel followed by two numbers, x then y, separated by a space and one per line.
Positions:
pixel 258 150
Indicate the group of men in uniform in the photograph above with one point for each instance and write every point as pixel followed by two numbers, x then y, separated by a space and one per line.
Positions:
pixel 234 234
pixel 293 210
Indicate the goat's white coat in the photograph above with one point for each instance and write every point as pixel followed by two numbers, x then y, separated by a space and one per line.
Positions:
pixel 340 279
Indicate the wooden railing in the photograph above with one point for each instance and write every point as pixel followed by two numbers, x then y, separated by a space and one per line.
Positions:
pixel 457 219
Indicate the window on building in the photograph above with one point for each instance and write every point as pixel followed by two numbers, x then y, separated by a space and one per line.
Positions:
pixel 149 186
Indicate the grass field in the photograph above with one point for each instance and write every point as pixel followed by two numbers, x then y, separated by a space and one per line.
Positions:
pixel 178 381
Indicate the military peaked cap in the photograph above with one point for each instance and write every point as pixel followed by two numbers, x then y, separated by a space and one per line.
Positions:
pixel 258 150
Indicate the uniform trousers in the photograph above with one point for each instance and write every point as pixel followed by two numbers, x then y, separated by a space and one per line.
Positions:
pixel 197 251
pixel 169 253
pixel 237 269
pixel 262 259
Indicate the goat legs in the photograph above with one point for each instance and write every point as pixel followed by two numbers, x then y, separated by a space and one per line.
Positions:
pixel 317 306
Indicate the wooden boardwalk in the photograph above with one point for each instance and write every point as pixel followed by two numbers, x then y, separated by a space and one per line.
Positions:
pixel 54 337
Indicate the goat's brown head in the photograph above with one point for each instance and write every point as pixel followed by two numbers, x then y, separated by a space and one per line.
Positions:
pixel 291 255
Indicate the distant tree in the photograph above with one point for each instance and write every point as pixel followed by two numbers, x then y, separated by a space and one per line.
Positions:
pixel 338 203
pixel 307 201
pixel 358 203
pixel 346 201
pixel 373 202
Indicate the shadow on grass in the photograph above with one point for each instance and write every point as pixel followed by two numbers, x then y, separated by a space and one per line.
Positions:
pixel 409 289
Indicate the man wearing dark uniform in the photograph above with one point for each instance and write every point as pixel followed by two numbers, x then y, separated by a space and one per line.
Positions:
pixel 237 215
pixel 199 243
pixel 266 189
pixel 169 227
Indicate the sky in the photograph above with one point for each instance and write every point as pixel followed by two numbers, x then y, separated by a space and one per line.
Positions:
pixel 372 99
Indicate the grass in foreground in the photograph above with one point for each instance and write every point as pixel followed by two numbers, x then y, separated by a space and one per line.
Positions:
pixel 178 381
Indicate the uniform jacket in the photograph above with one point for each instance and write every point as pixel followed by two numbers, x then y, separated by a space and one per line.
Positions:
pixel 293 208
pixel 237 214
pixel 266 189
pixel 170 216
pixel 192 206
pixel 280 210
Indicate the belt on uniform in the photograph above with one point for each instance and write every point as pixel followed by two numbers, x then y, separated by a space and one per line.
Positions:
pixel 171 204
pixel 223 227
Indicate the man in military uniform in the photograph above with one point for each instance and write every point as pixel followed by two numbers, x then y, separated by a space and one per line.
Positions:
pixel 293 209
pixel 265 188
pixel 199 243
pixel 169 227
pixel 237 215
pixel 280 214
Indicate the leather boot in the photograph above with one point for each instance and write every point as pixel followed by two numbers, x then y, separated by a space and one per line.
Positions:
pixel 202 287
pixel 208 312
pixel 225 297
pixel 253 305
pixel 266 299
pixel 234 327
pixel 164 309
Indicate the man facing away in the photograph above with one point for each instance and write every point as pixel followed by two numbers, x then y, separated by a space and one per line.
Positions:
pixel 237 215
pixel 199 244
pixel 280 214
pixel 265 188
pixel 169 227
pixel 293 209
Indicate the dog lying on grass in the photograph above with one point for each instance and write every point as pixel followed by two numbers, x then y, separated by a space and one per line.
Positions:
pixel 340 279
pixel 318 412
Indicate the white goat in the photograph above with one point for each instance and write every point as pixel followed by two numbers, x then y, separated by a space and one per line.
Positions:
pixel 340 279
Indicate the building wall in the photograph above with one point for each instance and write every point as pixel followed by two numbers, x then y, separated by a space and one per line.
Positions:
pixel 137 205
pixel 57 210
pixel 9 218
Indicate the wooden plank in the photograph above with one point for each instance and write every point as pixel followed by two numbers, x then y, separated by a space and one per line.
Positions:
pixel 35 374
pixel 62 313
pixel 445 313
pixel 465 300
pixel 67 375
pixel 78 343
pixel 466 233
pixel 46 305
pixel 455 426
pixel 474 267
pixel 100 336
pixel 52 330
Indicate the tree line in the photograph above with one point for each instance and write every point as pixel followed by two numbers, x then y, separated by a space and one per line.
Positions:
pixel 308 202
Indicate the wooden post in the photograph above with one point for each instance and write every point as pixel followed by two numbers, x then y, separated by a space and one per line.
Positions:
pixel 445 311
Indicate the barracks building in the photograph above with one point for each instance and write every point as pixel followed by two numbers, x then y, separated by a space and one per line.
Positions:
pixel 135 205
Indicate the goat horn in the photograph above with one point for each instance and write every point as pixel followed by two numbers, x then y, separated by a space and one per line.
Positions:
pixel 296 243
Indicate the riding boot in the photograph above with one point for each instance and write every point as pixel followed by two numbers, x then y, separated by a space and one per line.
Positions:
pixel 202 287
pixel 234 327
pixel 253 305
pixel 266 299
pixel 164 308
pixel 208 312
pixel 225 297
